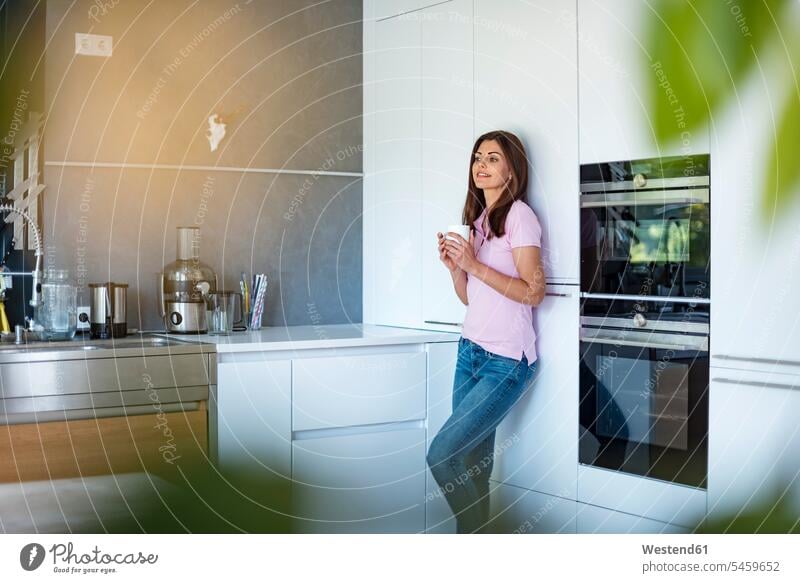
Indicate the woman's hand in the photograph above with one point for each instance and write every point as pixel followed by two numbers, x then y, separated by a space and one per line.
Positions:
pixel 460 251
pixel 443 257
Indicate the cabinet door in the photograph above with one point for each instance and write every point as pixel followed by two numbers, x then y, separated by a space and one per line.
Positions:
pixel 254 417
pixel 360 483
pixel 754 444
pixel 392 175
pixel 362 389
pixel 447 135
pixel 441 372
pixel 537 444
pixel 597 520
pixel 615 82
pixel 520 511
pixel 387 8
pixel 755 251
pixel 526 82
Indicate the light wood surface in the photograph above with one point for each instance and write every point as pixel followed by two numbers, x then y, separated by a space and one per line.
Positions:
pixel 157 443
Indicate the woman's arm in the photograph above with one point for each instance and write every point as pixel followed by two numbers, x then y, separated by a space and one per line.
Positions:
pixel 458 274
pixel 528 289
pixel 460 284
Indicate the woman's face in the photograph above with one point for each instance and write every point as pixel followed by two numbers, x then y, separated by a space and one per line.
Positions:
pixel 490 169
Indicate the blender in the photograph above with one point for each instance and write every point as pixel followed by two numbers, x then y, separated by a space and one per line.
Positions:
pixel 184 286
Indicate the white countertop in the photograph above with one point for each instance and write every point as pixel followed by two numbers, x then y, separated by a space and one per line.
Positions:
pixel 307 337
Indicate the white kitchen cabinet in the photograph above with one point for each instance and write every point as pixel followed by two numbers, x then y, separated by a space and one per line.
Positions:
pixel 389 8
pixel 597 520
pixel 614 84
pixel 441 372
pixel 526 82
pixel 755 255
pixel 754 441
pixel 359 441
pixel 392 172
pixel 447 135
pixel 343 391
pixel 372 482
pixel 629 494
pixel 253 417
pixel 537 444
pixel 520 511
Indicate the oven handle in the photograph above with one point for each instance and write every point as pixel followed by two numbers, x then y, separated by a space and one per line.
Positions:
pixel 702 347
pixel 651 197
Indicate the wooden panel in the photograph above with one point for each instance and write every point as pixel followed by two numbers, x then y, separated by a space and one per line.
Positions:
pixel 155 443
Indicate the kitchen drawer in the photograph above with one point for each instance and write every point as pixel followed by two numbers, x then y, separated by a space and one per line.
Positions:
pixel 156 443
pixel 102 374
pixel 360 483
pixel 358 390
pixel 598 520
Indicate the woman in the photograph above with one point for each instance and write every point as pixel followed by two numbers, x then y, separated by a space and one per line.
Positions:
pixel 498 275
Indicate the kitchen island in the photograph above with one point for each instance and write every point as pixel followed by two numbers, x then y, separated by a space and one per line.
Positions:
pixel 346 412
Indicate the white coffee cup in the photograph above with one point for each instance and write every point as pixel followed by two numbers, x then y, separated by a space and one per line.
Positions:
pixel 462 230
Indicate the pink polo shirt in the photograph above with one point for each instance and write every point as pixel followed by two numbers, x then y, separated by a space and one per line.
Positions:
pixel 498 324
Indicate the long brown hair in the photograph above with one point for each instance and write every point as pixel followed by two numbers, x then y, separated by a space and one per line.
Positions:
pixel 515 189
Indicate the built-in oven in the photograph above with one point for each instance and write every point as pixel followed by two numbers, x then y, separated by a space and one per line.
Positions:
pixel 644 387
pixel 644 365
pixel 645 227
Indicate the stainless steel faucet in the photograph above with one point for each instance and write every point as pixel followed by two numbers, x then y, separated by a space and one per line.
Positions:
pixel 36 274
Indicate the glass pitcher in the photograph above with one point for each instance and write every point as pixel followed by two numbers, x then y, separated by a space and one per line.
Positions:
pixel 58 311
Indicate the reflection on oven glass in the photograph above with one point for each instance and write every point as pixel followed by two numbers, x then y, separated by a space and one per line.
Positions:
pixel 647 407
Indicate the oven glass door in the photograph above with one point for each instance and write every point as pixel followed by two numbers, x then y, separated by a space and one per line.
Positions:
pixel 646 249
pixel 645 411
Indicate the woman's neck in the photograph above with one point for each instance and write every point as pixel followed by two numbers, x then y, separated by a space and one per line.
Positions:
pixel 491 197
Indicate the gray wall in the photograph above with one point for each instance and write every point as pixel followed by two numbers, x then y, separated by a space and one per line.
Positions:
pixel 285 76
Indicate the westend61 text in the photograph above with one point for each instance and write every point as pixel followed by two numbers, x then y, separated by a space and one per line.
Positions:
pixel 673 550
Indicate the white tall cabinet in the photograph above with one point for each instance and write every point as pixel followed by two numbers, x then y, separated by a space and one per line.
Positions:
pixel 537 444
pixel 392 172
pixel 526 82
pixel 434 79
pixel 614 84
pixel 417 133
pixel 447 133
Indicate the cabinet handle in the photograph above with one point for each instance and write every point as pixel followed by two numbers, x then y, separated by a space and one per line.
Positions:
pixel 755 359
pixel 557 295
pixel 756 384
pixel 443 323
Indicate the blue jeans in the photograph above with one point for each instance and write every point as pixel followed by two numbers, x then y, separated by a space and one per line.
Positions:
pixel 485 388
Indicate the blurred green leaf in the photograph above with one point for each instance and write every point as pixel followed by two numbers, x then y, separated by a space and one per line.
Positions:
pixel 701 51
pixel 783 169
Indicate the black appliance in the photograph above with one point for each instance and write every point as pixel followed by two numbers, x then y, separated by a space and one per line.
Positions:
pixel 644 365
pixel 645 227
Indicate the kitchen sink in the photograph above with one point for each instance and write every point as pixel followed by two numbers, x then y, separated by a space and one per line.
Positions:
pixel 82 347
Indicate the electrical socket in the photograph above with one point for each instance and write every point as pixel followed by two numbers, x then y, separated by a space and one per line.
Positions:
pixel 84 317
pixel 93 45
